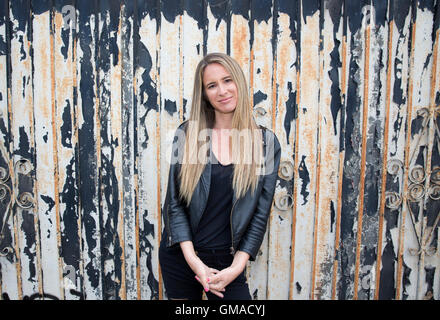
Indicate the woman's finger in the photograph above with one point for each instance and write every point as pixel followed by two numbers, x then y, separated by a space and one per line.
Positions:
pixel 217 293
pixel 203 283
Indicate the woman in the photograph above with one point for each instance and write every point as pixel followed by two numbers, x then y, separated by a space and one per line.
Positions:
pixel 220 189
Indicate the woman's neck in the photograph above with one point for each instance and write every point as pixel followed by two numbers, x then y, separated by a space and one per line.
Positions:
pixel 223 120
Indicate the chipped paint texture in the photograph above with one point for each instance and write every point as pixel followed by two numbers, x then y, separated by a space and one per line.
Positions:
pixel 91 93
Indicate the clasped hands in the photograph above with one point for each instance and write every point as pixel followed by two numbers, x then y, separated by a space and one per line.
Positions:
pixel 213 280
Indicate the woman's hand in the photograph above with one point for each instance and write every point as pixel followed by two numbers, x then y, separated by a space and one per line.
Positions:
pixel 203 273
pixel 223 278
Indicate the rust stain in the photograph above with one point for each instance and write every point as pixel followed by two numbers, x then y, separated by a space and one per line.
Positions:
pixel 239 41
pixel 435 75
pixel 158 171
pixel 295 193
pixel 138 254
pixel 385 159
pixel 318 177
pixel 344 66
pixel 363 159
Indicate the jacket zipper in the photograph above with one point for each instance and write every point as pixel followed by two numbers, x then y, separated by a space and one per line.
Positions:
pixel 232 232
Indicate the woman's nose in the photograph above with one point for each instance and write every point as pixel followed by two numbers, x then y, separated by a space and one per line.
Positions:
pixel 221 89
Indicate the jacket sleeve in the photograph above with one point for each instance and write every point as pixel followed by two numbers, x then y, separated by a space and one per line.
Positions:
pixel 175 216
pixel 254 234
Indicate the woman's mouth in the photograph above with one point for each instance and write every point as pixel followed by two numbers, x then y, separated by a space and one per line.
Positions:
pixel 225 100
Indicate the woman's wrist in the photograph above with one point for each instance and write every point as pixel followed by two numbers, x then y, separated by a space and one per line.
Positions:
pixel 239 262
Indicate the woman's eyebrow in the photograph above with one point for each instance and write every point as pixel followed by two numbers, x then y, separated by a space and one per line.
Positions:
pixel 225 77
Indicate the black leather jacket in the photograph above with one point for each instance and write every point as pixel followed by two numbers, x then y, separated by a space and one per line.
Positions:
pixel 249 214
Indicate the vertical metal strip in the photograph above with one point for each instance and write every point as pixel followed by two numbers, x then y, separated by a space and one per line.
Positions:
pixel 158 82
pixel 55 153
pixel 316 227
pixel 292 286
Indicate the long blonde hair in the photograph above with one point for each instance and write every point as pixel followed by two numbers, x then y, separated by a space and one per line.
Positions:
pixel 246 138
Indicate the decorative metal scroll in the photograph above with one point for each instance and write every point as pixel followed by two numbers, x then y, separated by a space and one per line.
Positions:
pixel 24 200
pixel 283 201
pixel 422 185
pixel 5 191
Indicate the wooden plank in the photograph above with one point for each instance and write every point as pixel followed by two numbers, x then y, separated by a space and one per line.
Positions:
pixel 261 87
pixel 306 148
pixel 110 173
pixel 405 159
pixel 128 226
pixel 192 47
pixel 240 35
pixel 9 287
pixel 89 142
pixel 22 127
pixel 372 146
pixel 418 149
pixel 353 148
pixel 280 233
pixel 400 16
pixel 67 143
pixel 216 25
pixel 170 84
pixel 148 101
pixel 330 105
pixel 434 103
pixel 47 201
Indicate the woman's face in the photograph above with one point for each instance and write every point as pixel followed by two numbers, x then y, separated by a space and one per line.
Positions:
pixel 220 89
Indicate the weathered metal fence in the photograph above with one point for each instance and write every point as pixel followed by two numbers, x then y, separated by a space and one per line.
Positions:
pixel 92 91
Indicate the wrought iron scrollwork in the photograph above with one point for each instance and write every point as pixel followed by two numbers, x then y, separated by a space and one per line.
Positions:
pixel 24 200
pixel 419 189
pixel 285 171
pixel 4 192
pixel 283 201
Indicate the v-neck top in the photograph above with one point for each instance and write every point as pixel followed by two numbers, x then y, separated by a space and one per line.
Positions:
pixel 214 229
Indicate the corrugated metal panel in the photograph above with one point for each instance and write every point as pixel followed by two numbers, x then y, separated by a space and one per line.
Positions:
pixel 91 93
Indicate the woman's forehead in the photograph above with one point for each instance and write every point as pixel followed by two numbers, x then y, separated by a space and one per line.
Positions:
pixel 214 71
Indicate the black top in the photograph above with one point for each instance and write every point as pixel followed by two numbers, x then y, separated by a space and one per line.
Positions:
pixel 214 229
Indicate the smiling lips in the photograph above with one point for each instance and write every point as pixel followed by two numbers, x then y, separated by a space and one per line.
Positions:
pixel 225 100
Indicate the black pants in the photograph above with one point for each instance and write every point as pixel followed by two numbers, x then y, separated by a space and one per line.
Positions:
pixel 179 280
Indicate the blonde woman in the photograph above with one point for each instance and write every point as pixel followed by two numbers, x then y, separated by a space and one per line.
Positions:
pixel 221 184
